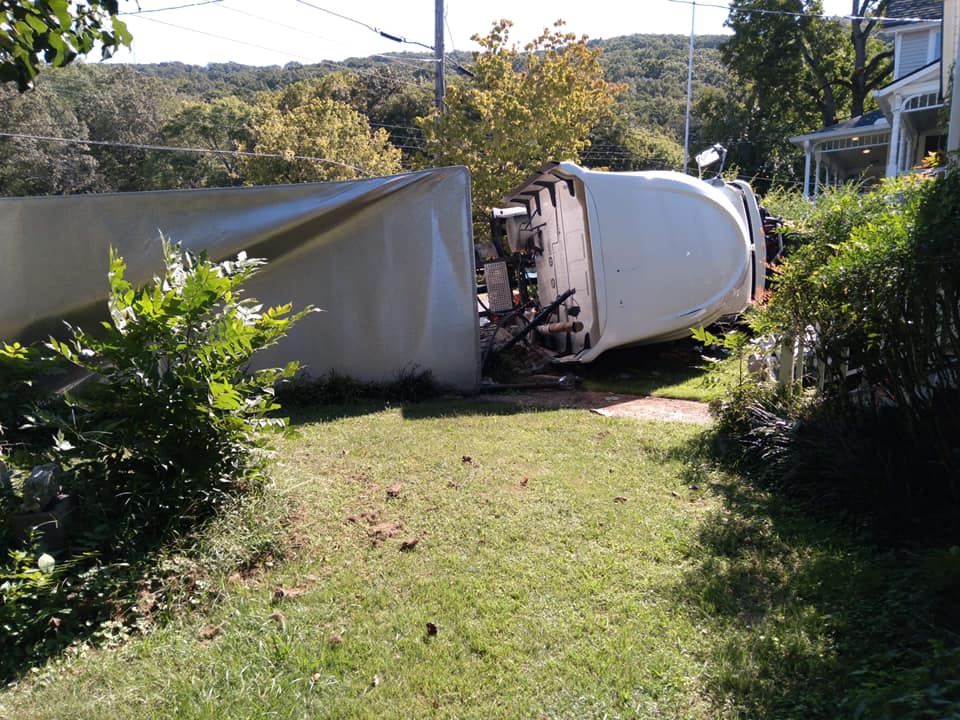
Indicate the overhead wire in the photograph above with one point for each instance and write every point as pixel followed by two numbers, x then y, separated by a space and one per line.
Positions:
pixel 175 148
pixel 172 7
pixel 285 53
pixel 790 13
pixel 228 39
pixel 378 31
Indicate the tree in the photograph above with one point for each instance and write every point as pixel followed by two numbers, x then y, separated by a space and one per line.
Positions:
pixel 520 110
pixel 123 107
pixel 823 63
pixel 31 166
pixel 617 145
pixel 871 65
pixel 221 126
pixel 316 137
pixel 792 72
pixel 55 32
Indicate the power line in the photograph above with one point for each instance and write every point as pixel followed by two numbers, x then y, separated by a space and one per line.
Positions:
pixel 285 53
pixel 378 31
pixel 766 11
pixel 173 7
pixel 271 21
pixel 228 39
pixel 172 148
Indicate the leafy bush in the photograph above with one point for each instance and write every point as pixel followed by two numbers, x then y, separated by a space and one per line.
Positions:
pixel 167 430
pixel 169 424
pixel 874 286
pixel 24 374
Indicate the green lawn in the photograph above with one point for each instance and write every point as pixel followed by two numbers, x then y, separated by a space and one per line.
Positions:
pixel 670 370
pixel 524 564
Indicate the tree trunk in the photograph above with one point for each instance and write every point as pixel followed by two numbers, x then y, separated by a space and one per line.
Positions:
pixel 861 84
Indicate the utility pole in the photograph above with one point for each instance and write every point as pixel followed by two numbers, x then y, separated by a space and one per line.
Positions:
pixel 439 89
pixel 686 133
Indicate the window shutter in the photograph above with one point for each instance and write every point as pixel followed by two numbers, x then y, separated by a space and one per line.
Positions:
pixel 913 53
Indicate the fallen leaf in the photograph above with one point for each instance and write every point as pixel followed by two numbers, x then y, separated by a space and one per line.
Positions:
pixel 336 639
pixel 55 623
pixel 466 460
pixel 431 629
pixel 394 490
pixel 409 544
pixel 314 677
pixel 210 632
pixel 523 483
pixel 279 618
pixel 352 518
pixel 620 499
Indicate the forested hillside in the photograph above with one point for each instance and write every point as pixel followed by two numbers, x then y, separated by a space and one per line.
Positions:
pixel 105 114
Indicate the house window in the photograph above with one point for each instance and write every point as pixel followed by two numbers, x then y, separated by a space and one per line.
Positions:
pixel 913 53
pixel 916 50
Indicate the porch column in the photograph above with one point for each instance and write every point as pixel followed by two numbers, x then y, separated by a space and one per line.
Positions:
pixel 893 156
pixel 816 186
pixel 951 65
pixel 808 151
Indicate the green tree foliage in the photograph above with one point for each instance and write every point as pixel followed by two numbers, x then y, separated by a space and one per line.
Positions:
pixel 169 425
pixel 615 145
pixel 167 429
pixel 213 107
pixel 41 167
pixel 792 73
pixel 56 32
pixel 522 108
pixel 654 70
pixel 220 126
pixel 318 138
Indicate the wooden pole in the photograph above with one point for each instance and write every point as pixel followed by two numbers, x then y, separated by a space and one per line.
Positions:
pixel 439 87
pixel 686 133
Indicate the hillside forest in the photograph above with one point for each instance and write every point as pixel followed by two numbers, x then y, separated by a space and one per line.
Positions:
pixel 242 124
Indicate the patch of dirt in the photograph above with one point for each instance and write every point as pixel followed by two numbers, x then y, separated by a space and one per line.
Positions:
pixel 612 404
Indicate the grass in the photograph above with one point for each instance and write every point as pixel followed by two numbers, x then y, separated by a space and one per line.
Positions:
pixel 558 564
pixel 669 370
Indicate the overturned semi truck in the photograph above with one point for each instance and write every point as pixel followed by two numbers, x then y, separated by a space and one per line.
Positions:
pixel 627 258
pixel 621 258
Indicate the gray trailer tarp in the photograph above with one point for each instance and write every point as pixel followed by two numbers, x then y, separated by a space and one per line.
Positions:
pixel 390 261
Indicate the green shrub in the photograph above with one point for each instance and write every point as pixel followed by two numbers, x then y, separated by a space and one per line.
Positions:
pixel 166 431
pixel 875 288
pixel 169 424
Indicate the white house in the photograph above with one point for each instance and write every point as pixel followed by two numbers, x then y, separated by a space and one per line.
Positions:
pixel 909 123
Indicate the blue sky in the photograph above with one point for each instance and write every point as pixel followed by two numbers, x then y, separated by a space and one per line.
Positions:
pixel 309 31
